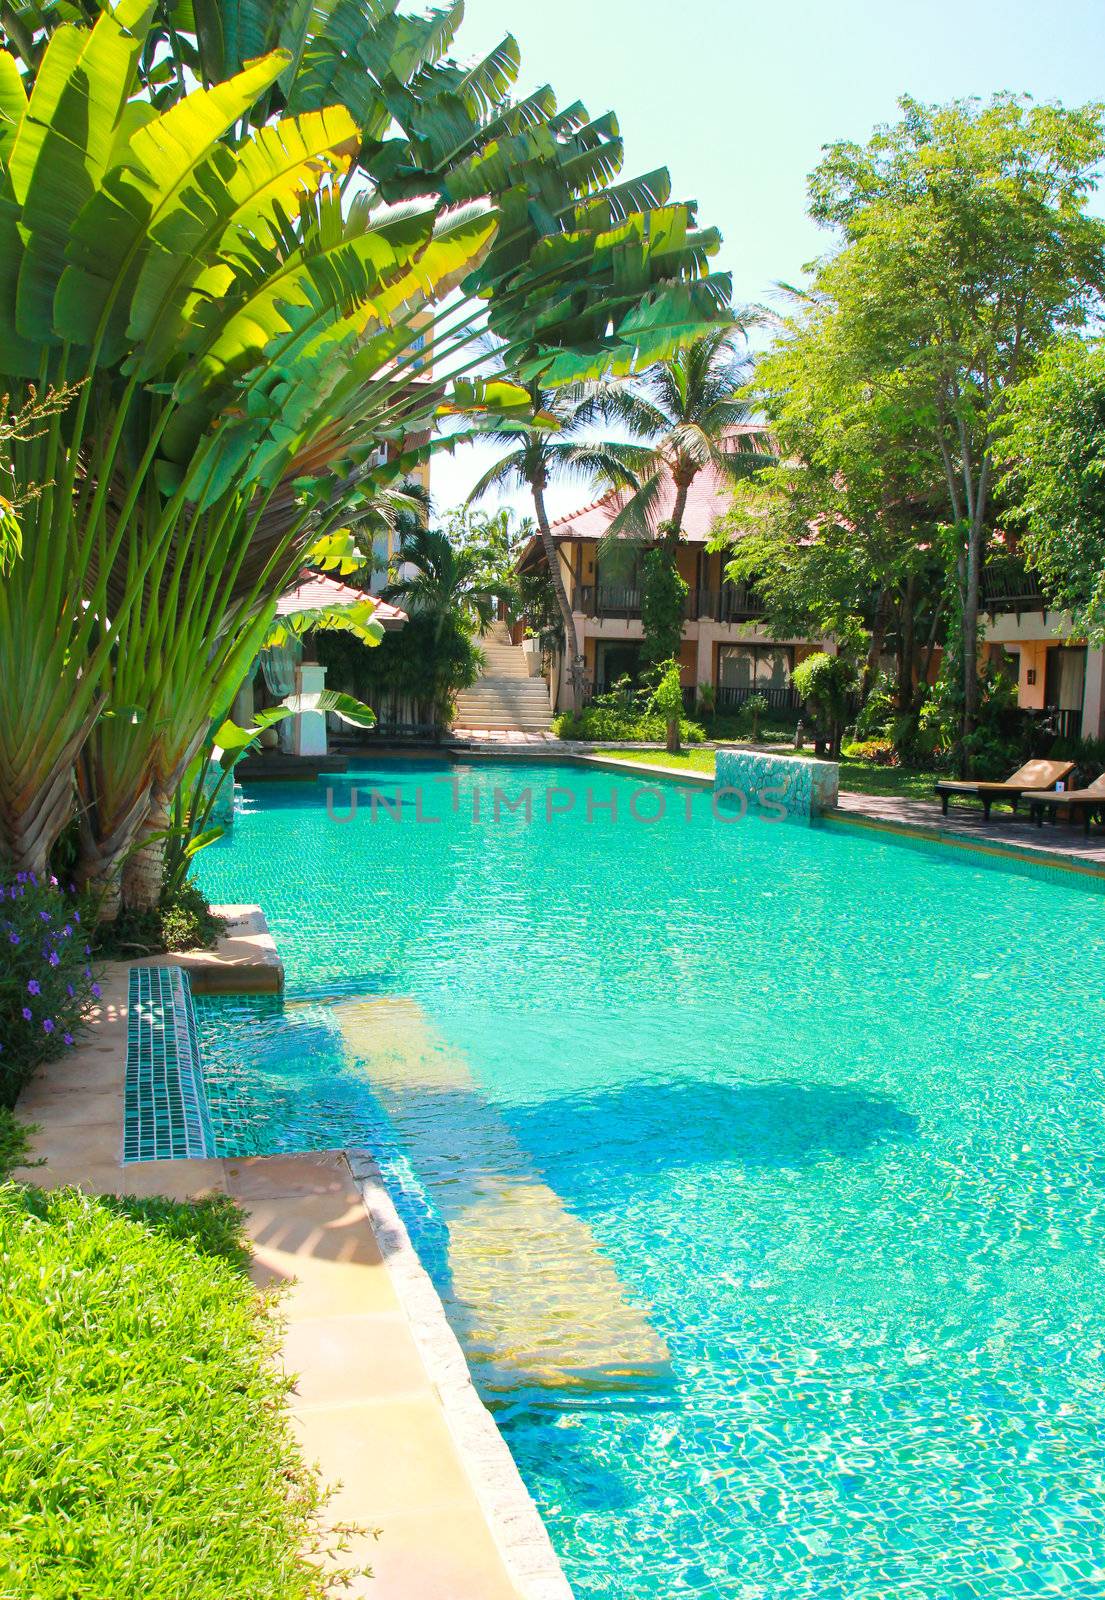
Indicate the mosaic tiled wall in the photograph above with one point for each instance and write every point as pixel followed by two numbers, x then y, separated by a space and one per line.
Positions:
pixel 166 1117
pixel 778 786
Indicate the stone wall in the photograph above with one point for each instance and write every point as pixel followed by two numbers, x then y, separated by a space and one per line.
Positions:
pixel 777 786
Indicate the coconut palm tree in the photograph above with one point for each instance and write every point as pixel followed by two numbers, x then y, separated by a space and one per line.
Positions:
pixel 553 443
pixel 690 414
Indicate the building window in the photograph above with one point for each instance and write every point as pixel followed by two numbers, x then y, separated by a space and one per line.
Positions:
pixel 755 668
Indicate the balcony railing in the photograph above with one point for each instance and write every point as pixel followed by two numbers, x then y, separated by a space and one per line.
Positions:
pixel 1011 588
pixel 732 603
pixel 730 698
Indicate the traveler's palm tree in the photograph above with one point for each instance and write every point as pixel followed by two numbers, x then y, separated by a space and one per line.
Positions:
pixel 555 443
pixel 445 581
pixel 690 412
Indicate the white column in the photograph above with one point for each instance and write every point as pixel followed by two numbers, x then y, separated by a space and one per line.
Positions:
pixel 704 665
pixel 1093 701
pixel 310 727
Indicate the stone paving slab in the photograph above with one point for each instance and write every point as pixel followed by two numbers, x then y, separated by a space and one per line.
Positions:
pixel 245 960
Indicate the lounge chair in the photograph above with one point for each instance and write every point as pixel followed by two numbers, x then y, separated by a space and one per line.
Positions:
pixel 1083 802
pixel 1034 776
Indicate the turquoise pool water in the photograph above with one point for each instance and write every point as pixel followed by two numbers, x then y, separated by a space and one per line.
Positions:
pixel 809 1122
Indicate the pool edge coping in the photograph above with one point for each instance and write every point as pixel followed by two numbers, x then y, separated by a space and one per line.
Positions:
pixel 510 1511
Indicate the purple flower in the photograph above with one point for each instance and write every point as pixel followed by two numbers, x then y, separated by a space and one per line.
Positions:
pixel 67 932
pixel 21 877
pixel 88 949
pixel 55 959
pixel 44 916
pixel 76 914
pixel 32 986
pixel 47 1025
pixel 27 1014
pixel 14 938
pixel 88 972
pixel 69 990
pixel 67 1038
pixel 96 990
pixel 33 879
pixel 53 883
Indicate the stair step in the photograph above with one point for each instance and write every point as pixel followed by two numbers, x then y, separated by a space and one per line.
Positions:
pixel 505 697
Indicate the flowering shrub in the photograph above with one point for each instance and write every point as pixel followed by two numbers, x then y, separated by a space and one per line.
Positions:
pixel 46 979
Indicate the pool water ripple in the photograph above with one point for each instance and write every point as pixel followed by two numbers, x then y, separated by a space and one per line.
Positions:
pixel 830 1109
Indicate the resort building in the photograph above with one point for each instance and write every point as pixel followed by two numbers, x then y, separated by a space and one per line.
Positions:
pixel 1058 675
pixel 726 644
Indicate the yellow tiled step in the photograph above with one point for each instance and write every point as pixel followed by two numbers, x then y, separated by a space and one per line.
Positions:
pixel 530 1293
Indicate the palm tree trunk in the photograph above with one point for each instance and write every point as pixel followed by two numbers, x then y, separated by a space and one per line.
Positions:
pixel 145 870
pixel 571 638
pixel 679 510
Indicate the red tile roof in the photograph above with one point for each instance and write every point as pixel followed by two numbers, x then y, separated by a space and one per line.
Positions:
pixel 314 590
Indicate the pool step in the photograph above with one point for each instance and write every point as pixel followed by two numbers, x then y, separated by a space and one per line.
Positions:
pixel 530 1293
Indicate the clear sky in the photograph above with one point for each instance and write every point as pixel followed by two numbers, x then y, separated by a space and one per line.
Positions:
pixel 737 97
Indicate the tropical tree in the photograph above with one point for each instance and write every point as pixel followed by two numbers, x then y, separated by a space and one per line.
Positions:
pixel 555 442
pixel 250 352
pixel 445 581
pixel 965 248
pixel 1055 454
pixel 690 414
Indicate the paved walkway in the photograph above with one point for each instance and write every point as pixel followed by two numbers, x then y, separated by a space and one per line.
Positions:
pixel 965 821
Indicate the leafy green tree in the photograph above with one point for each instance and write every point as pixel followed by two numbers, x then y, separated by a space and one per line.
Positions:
pixel 667 700
pixel 825 683
pixel 556 442
pixel 498 538
pixel 1055 449
pixel 964 248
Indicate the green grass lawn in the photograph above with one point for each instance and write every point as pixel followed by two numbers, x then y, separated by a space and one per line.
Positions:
pixel 146 1447
pixel 856 777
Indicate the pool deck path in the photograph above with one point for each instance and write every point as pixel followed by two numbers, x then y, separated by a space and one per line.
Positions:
pixel 965 824
pixel 383 1401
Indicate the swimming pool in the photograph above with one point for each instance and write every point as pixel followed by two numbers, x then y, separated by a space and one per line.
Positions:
pixel 760 1167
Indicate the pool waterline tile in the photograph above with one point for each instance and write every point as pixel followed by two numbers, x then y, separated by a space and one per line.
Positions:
pixel 165 1111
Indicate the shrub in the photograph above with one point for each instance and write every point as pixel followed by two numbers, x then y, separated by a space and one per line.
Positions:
pixel 877 715
pixel 180 921
pixel 46 981
pixel 627 715
pixel 603 725
pixel 880 752
pixel 755 707
pixel 15 1143
pixel 146 1447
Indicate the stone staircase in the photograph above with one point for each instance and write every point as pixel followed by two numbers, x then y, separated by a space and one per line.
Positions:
pixel 505 698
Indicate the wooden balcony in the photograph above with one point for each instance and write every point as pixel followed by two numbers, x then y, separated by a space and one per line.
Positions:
pixel 1010 587
pixel 732 603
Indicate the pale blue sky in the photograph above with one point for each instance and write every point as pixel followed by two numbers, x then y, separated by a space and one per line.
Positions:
pixel 737 98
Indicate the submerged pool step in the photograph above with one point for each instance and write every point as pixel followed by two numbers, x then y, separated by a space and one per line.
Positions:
pixel 530 1294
